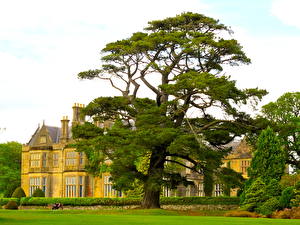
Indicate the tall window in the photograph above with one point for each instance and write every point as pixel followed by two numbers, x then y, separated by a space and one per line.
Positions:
pixel 108 190
pixel 44 159
pixel 55 159
pixel 70 186
pixel 71 158
pixel 218 190
pixel 35 159
pixel 244 166
pixel 81 158
pixel 34 183
pixel 107 186
pixel 44 184
pixel 80 186
pixel 200 188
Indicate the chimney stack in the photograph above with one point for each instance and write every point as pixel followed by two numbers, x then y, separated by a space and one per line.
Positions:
pixel 77 117
pixel 64 136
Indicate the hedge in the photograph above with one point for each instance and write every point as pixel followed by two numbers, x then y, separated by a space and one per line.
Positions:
pixel 4 201
pixel 35 201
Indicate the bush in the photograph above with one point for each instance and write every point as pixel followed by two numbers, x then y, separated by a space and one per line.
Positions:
pixel 129 201
pixel 4 201
pixel 269 206
pixel 18 193
pixel 293 213
pixel 286 196
pixel 38 193
pixel 199 201
pixel 11 205
pixel 238 213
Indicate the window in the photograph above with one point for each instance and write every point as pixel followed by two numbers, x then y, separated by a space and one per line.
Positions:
pixel 71 158
pixel 44 159
pixel 81 187
pixel 200 188
pixel 244 166
pixel 43 139
pixel 218 190
pixel 108 190
pixel 55 159
pixel 34 183
pixel 70 186
pixel 44 184
pixel 81 158
pixel 35 160
pixel 107 186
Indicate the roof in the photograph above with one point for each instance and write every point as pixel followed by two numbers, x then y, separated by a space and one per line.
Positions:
pixel 51 133
pixel 240 150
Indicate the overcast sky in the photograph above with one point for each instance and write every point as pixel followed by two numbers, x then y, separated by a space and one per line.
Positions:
pixel 45 44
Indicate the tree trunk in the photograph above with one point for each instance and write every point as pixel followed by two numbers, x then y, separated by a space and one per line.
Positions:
pixel 151 199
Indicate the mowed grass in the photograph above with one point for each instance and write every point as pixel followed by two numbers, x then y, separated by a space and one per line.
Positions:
pixel 125 217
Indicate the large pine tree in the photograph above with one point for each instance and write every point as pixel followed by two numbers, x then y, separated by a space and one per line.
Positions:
pixel 180 61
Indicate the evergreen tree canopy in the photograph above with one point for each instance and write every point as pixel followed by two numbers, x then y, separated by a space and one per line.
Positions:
pixel 269 158
pixel 284 115
pixel 180 61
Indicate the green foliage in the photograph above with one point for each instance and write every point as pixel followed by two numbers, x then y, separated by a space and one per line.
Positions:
pixel 18 193
pixel 186 54
pixel 289 180
pixel 129 201
pixel 4 201
pixel 10 167
pixel 284 119
pixel 254 195
pixel 11 205
pixel 269 206
pixel 269 159
pixel 287 195
pixel 38 193
pixel 296 199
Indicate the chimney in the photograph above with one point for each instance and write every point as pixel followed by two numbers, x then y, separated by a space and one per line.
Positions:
pixel 64 134
pixel 77 118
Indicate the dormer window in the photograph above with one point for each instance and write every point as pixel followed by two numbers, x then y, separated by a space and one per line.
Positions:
pixel 43 139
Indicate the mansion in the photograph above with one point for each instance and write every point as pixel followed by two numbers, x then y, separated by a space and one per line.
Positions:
pixel 49 163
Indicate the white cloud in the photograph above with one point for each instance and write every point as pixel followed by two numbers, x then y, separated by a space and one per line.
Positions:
pixel 44 44
pixel 287 11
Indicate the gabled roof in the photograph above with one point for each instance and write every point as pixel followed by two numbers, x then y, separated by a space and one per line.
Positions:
pixel 50 134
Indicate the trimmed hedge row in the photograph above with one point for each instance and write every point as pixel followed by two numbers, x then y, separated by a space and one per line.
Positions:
pixel 80 201
pixel 4 201
pixel 35 201
pixel 200 201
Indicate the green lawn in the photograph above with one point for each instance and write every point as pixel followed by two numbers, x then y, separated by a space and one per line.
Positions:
pixel 124 217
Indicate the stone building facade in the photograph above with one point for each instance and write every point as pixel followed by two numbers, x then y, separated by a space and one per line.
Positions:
pixel 50 164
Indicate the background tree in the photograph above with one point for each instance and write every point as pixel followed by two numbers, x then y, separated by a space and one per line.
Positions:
pixel 269 160
pixel 180 61
pixel 10 167
pixel 284 115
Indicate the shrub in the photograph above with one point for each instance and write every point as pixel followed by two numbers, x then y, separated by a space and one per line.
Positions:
pixel 38 193
pixel 239 213
pixel 4 201
pixel 18 193
pixel 11 205
pixel 269 206
pixel 286 196
pixel 296 199
pixel 254 196
pixel 293 213
pixel 129 201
